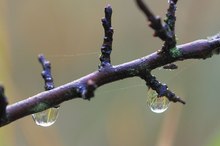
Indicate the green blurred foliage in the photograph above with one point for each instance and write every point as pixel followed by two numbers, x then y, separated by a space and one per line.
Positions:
pixel 69 33
pixel 214 140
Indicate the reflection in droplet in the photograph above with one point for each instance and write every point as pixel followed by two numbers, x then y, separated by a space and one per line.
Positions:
pixel 46 118
pixel 155 103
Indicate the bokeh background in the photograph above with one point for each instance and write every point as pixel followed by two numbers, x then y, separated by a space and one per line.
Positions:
pixel 70 34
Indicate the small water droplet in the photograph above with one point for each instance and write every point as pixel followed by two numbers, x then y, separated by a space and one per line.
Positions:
pixel 46 118
pixel 155 103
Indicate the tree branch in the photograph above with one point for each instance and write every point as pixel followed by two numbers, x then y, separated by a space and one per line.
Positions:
pixel 200 49
pixel 85 87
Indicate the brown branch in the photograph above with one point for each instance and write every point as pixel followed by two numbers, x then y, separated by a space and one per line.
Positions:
pixel 85 87
pixel 200 49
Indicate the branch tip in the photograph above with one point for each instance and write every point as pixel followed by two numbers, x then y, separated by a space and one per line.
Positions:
pixel 161 89
pixel 106 47
pixel 46 73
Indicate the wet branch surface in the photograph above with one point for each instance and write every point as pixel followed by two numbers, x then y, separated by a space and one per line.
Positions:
pixel 106 73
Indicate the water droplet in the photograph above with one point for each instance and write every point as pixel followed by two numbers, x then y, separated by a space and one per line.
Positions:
pixel 46 118
pixel 155 103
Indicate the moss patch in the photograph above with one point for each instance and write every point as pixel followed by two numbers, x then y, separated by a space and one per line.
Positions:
pixel 39 107
pixel 175 52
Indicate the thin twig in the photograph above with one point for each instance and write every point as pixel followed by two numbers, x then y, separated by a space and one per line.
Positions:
pixel 46 74
pixel 107 42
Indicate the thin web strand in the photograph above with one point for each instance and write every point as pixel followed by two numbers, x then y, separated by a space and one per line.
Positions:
pixel 73 55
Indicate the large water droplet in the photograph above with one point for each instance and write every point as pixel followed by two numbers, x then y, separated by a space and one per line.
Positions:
pixel 155 103
pixel 46 118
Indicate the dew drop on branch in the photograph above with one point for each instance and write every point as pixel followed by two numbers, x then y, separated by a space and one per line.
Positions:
pixel 155 103
pixel 46 118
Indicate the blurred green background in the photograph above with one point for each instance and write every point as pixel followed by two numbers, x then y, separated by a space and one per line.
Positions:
pixel 69 33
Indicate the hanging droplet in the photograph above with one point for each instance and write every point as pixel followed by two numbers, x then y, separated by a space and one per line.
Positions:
pixel 155 103
pixel 46 118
